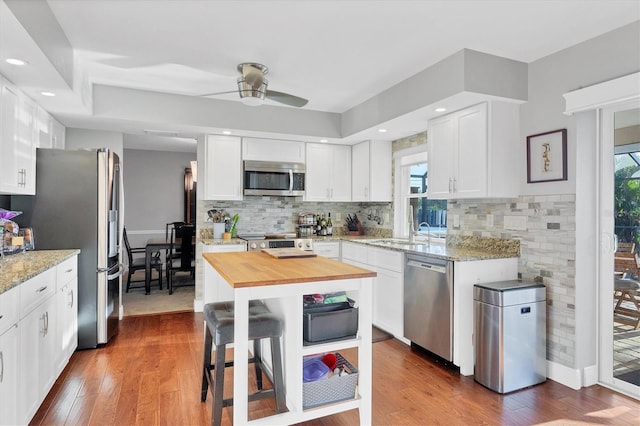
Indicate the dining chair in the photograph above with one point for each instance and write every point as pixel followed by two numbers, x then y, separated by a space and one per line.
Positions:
pixel 185 262
pixel 169 227
pixel 138 263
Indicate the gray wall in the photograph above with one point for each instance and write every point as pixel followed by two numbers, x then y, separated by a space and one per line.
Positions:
pixel 153 191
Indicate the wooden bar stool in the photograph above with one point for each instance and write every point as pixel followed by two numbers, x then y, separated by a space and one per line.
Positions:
pixel 219 332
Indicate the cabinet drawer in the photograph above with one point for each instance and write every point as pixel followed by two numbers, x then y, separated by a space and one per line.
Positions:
pixel 66 271
pixel 352 251
pixel 8 308
pixel 385 258
pixel 330 250
pixel 36 290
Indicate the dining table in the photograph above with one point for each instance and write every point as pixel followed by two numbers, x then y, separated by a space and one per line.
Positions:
pixel 155 245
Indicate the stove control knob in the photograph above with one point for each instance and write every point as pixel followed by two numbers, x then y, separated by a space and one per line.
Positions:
pixel 308 244
pixel 253 246
pixel 299 244
pixel 263 245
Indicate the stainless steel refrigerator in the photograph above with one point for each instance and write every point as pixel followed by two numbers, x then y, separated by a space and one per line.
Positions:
pixel 77 205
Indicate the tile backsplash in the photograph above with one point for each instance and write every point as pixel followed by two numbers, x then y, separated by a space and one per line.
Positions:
pixel 545 226
pixel 280 214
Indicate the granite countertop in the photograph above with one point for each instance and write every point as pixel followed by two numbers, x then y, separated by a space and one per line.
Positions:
pixel 220 241
pixel 455 248
pixel 18 268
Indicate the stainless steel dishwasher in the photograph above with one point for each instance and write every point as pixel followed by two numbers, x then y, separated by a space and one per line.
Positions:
pixel 428 303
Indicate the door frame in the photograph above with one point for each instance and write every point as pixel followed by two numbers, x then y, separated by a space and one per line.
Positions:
pixel 606 223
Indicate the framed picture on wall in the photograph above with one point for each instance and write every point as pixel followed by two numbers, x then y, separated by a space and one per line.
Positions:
pixel 547 156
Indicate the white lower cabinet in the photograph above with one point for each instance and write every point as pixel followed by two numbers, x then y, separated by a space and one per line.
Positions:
pixel 215 288
pixel 9 357
pixel 388 286
pixel 37 355
pixel 66 304
pixel 38 334
pixel 330 249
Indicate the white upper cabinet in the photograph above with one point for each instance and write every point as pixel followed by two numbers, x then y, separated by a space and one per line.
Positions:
pixel 273 150
pixel 371 171
pixel 328 173
pixel 58 134
pixel 472 152
pixel 18 141
pixel 50 133
pixel 222 168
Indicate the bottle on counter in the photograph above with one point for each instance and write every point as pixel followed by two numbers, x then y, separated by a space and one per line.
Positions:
pixel 318 225
pixel 329 225
pixel 323 225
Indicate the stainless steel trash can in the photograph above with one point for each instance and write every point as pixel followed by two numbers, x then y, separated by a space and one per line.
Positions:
pixel 510 335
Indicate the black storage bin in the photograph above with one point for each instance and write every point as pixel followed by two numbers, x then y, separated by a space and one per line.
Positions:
pixel 333 321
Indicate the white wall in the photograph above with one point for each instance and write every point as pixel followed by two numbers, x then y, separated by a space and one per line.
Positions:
pixel 93 139
pixel 603 58
pixel 154 191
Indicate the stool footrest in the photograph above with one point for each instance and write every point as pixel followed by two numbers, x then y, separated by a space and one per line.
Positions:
pixel 264 393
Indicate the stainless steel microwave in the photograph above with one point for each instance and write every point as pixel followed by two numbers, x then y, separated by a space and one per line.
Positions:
pixel 274 178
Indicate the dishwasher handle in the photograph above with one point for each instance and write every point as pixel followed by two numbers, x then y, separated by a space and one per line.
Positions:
pixel 428 266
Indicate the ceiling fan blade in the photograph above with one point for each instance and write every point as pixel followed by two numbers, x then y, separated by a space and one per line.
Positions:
pixel 285 98
pixel 219 93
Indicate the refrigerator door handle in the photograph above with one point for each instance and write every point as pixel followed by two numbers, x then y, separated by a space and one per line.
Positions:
pixel 117 273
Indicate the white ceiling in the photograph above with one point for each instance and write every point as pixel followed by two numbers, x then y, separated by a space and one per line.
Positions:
pixel 337 54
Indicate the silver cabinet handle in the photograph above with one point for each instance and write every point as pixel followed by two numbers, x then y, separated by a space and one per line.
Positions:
pixel 68 270
pixel 41 289
pixel 455 185
pixel 71 297
pixel 46 328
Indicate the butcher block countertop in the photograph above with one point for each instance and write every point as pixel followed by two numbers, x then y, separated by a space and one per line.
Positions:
pixel 252 269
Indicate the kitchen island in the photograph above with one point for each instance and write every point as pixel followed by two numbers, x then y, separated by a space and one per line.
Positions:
pixel 281 284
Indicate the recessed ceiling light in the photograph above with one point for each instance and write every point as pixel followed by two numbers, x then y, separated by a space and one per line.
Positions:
pixel 382 130
pixel 226 132
pixel 49 94
pixel 324 140
pixel 15 61
pixel 441 109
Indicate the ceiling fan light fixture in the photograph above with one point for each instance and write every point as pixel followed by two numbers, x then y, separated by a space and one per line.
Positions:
pixel 252 95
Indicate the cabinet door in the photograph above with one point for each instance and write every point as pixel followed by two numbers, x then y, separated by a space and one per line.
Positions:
pixel 360 161
pixel 9 353
pixel 273 150
pixel 36 364
pixel 317 185
pixel 26 145
pixel 9 177
pixel 472 158
pixel 442 154
pixel 58 134
pixel 388 301
pixel 67 324
pixel 43 128
pixel 340 187
pixel 223 168
pixel 380 160
pixel 216 289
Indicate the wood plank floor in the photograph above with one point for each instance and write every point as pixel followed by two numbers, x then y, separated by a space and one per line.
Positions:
pixel 150 375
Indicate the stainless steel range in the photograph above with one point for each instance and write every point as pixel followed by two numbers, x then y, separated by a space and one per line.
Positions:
pixel 257 242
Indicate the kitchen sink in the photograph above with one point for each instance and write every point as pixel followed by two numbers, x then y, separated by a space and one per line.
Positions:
pixel 406 244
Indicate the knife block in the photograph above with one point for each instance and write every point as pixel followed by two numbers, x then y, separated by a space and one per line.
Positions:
pixel 360 230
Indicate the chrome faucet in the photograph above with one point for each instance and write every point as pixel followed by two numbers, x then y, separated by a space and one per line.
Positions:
pixel 412 230
pixel 428 231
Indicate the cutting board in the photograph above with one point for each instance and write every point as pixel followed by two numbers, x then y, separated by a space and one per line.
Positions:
pixel 288 252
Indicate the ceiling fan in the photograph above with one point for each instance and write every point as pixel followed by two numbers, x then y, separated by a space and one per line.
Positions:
pixel 252 87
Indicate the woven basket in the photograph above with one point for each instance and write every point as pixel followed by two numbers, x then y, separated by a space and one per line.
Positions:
pixel 332 389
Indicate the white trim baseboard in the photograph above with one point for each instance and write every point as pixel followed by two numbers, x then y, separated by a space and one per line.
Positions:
pixel 564 375
pixel 198 305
